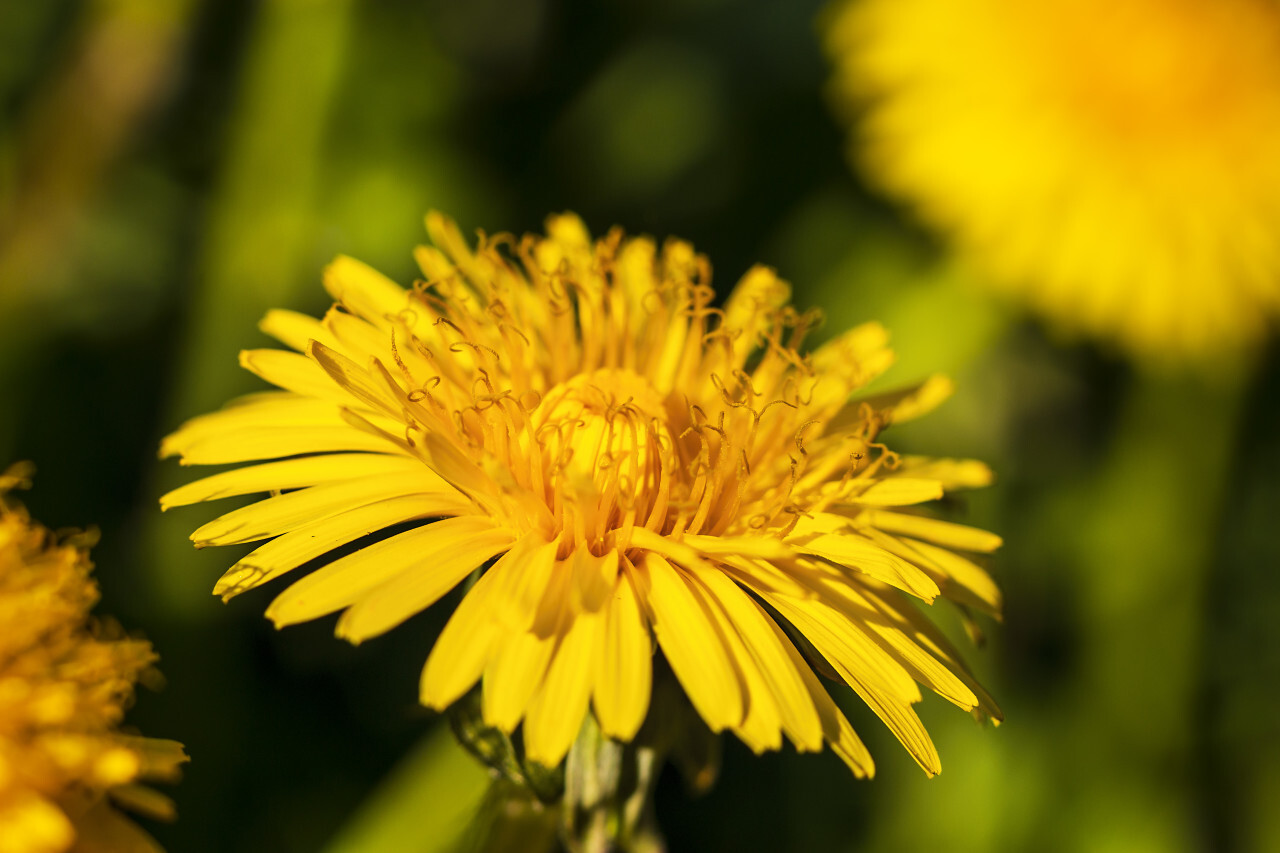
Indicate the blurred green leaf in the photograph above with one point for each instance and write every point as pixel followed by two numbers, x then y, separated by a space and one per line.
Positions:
pixel 260 248
pixel 423 806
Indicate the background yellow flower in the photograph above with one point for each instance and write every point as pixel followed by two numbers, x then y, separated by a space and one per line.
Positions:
pixel 1110 162
pixel 65 682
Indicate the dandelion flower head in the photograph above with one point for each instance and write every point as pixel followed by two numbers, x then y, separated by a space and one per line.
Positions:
pixel 1111 162
pixel 630 462
pixel 65 682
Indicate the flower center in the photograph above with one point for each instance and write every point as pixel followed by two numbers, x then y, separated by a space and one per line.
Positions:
pixel 603 431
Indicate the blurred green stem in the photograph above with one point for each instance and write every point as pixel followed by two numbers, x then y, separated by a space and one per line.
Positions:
pixel 260 248
pixel 423 806
pixel 592 774
pixel 261 236
pixel 1147 557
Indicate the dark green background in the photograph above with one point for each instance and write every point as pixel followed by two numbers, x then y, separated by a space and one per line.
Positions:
pixel 169 170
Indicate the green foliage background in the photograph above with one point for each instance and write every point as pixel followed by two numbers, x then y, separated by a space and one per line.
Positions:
pixel 171 168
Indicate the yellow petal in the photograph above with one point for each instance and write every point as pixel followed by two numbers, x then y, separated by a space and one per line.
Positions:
pixel 623 665
pixel 435 264
pixel 761 726
pixel 917 627
pixel 294 329
pixel 857 553
pixel 666 357
pixel 259 411
pixel 391 432
pixel 30 822
pixel 844 643
pixel 364 290
pixel 158 758
pixel 690 639
pixel 944 533
pixel 460 654
pixel 895 491
pixel 670 549
pixel 568 229
pixel 520 592
pixel 764 574
pixel 952 473
pixel 919 663
pixel 414 590
pixel 835 728
pixel 876 678
pixel 633 274
pixel 289 474
pixel 287 552
pixel 444 232
pixel 594 578
pixel 557 710
pixel 141 800
pixel 354 337
pixel 861 342
pixel 512 676
pixel 277 442
pixel 450 463
pixel 353 379
pixel 282 513
pixel 819 523
pixel 105 829
pixel 292 371
pixel 750 308
pixel 556 606
pixel 960 575
pixel 758 547
pixel 347 579
pixel 910 403
pixel 847 362
pixel 756 630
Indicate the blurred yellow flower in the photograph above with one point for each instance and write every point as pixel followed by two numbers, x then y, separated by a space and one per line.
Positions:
pixel 637 463
pixel 64 684
pixel 1112 162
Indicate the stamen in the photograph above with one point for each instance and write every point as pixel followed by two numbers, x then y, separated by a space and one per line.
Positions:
pixel 800 435
pixel 571 420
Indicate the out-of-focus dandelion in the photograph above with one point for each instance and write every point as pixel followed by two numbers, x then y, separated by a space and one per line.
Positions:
pixel 635 462
pixel 1111 162
pixel 65 681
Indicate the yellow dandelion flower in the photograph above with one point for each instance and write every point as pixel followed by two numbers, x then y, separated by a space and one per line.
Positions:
pixel 635 462
pixel 64 685
pixel 1111 162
